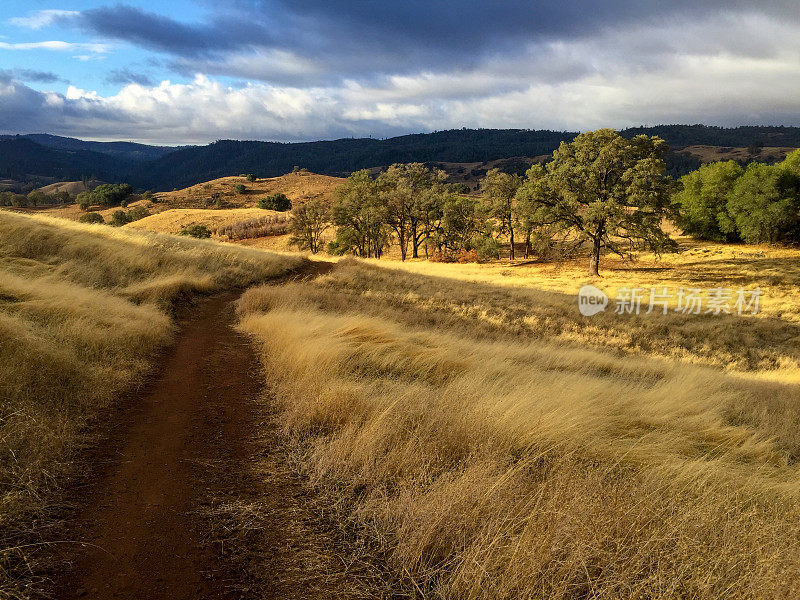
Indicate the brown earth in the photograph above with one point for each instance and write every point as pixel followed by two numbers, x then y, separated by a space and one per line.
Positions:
pixel 181 447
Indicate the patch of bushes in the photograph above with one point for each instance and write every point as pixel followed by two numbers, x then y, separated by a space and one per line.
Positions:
pixel 13 199
pixel 251 177
pixel 92 217
pixel 278 201
pixel 108 194
pixel 121 217
pixel 240 188
pixel 196 231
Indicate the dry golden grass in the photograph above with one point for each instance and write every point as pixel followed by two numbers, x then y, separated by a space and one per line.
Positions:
pixel 74 213
pixel 82 310
pixel 299 187
pixel 469 430
pixel 173 220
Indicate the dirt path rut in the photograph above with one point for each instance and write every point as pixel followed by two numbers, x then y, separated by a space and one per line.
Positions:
pixel 143 537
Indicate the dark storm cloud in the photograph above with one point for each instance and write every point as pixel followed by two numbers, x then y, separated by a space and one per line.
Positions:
pixel 156 32
pixel 445 30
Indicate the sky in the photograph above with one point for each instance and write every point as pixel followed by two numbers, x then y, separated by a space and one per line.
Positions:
pixel 193 71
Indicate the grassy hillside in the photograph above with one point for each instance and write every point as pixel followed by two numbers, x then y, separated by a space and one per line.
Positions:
pixel 299 187
pixel 493 443
pixel 82 311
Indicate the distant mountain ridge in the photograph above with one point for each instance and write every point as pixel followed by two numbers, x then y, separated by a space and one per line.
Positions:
pixel 126 150
pixel 163 168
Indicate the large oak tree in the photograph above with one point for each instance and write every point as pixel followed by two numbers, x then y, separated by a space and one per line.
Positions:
pixel 604 190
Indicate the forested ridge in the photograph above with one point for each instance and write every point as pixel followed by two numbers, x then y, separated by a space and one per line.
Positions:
pixel 162 168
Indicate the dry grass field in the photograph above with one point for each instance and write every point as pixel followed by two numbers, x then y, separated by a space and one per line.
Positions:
pixel 299 187
pixel 175 219
pixel 471 426
pixel 83 309
pixel 464 424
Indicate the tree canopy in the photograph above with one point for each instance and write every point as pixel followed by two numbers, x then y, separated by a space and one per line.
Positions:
pixel 605 190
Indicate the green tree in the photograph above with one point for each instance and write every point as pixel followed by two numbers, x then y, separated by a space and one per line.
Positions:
pixel 196 231
pixel 92 217
pixel 464 222
pixel 240 188
pixel 610 192
pixel 251 177
pixel 765 202
pixel 702 201
pixel 277 201
pixel 307 223
pixel 403 188
pixel 119 218
pixel 360 217
pixel 499 194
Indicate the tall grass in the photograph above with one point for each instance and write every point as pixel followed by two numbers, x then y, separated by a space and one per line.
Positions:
pixel 486 466
pixel 83 308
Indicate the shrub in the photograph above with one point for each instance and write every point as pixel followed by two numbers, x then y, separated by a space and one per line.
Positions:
pixel 84 200
pixel 278 201
pixel 92 217
pixel 240 188
pixel 196 231
pixel 251 178
pixel 121 217
pixel 486 247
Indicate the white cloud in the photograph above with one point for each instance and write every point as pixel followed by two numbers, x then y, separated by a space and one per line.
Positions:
pixel 42 18
pixel 94 47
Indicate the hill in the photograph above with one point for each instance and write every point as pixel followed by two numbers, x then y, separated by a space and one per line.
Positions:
pixel 162 168
pixel 299 187
pixel 125 150
pixel 71 187
pixel 20 158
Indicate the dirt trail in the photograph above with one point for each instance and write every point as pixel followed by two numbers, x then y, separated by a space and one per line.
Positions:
pixel 195 442
pixel 143 540
pixel 143 537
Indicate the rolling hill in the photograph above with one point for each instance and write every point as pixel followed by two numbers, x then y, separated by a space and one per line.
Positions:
pixel 164 168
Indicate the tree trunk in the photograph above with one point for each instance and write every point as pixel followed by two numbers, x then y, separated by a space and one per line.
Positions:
pixel 527 243
pixel 511 252
pixel 414 241
pixel 594 262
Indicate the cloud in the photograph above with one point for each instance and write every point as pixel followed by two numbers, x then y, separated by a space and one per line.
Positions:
pixel 126 76
pixel 96 48
pixel 335 69
pixel 160 33
pixel 29 75
pixel 42 18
